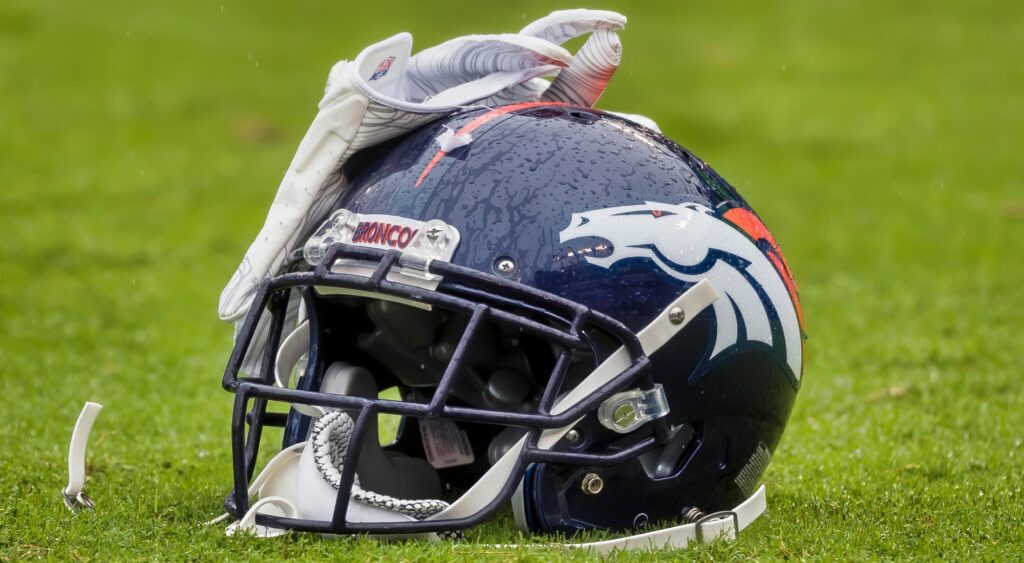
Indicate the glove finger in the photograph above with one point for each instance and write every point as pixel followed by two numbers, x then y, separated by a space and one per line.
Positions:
pixel 591 70
pixel 466 59
pixel 562 25
pixel 475 56
pixel 524 91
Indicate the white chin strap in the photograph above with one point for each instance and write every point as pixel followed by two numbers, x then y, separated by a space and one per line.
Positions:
pixel 724 525
pixel 74 497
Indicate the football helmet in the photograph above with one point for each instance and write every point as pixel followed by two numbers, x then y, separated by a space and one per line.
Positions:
pixel 561 310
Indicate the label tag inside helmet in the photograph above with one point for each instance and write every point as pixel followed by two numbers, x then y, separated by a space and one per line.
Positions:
pixel 445 444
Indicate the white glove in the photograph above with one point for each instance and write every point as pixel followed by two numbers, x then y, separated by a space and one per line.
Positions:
pixel 385 93
pixel 379 96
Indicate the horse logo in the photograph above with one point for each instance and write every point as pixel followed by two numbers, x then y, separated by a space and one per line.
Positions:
pixel 690 242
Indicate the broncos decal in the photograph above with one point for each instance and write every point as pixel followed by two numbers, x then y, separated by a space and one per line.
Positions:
pixel 690 242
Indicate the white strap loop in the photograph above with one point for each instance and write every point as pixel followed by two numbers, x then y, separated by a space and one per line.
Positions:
pixel 270 506
pixel 74 497
pixel 275 481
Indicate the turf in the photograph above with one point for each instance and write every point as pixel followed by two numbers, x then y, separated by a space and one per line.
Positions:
pixel 140 145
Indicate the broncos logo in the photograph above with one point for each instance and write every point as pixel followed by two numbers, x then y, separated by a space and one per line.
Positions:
pixel 690 242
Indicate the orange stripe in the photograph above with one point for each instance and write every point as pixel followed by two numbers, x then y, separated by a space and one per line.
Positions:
pixel 477 122
pixel 752 225
pixel 430 166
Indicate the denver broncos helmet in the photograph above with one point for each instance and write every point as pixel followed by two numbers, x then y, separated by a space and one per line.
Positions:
pixel 540 305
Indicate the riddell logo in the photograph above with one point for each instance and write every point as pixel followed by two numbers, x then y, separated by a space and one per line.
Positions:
pixel 384 234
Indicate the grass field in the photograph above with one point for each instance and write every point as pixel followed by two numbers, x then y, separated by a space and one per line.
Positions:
pixel 140 146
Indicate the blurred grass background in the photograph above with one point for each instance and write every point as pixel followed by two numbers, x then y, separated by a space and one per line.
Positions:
pixel 140 145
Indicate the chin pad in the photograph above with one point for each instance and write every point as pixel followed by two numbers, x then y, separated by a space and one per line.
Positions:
pixel 387 472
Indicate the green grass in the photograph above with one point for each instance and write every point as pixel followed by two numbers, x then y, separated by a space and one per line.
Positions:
pixel 140 146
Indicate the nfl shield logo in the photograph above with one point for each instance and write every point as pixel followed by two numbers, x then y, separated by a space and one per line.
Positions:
pixel 382 68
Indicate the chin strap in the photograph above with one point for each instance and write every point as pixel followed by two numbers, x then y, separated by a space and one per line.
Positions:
pixel 722 525
pixel 718 525
pixel 74 497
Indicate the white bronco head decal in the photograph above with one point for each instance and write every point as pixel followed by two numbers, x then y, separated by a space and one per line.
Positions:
pixel 689 242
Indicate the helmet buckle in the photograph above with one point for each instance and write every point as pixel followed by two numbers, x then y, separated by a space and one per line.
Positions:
pixel 627 410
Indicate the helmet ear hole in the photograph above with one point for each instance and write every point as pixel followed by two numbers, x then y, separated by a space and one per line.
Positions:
pixel 667 460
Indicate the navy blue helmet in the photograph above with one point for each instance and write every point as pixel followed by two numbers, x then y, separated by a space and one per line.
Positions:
pixel 539 305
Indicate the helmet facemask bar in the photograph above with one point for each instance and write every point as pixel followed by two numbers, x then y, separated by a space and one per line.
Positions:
pixel 272 297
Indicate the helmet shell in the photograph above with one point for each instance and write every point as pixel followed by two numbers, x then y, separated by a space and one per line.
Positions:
pixel 531 178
